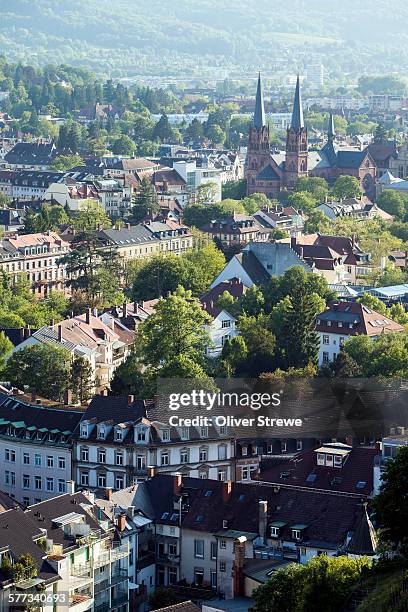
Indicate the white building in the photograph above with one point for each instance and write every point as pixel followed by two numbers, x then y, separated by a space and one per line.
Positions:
pixel 35 449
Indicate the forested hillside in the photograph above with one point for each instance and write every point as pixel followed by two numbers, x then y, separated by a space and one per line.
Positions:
pixel 163 37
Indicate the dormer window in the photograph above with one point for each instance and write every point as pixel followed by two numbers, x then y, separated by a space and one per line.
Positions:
pixel 84 430
pixel 166 435
pixel 101 432
pixel 338 461
pixel 141 435
pixel 185 433
pixel 274 532
pixel 329 323
pixel 204 432
pixel 118 435
pixel 296 534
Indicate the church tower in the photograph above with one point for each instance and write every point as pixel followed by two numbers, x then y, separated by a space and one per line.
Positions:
pixel 296 143
pixel 258 153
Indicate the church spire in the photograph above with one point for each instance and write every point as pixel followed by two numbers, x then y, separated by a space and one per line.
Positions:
pixel 259 115
pixel 331 133
pixel 297 115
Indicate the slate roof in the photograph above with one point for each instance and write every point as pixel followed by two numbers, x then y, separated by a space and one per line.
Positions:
pixel 268 174
pixel 352 319
pixel 31 153
pixel 364 540
pixel 135 235
pixel 358 468
pixel 117 409
pixel 297 115
pixel 234 287
pixel 252 267
pixel 259 115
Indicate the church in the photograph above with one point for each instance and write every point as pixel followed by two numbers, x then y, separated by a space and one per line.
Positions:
pixel 271 173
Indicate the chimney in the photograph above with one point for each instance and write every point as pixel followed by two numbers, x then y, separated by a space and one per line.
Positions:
pixel 95 312
pixel 122 521
pixel 59 333
pixel 131 511
pixel 125 310
pixel 136 308
pixel 238 566
pixel 177 483
pixel 300 251
pixel 353 241
pixel 262 520
pixel 131 399
pixel 151 471
pixel 108 494
pixel 68 397
pixel 88 315
pixel 226 490
pixel 70 487
pixel 293 241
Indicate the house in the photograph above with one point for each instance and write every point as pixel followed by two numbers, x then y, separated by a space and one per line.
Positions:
pixel 285 218
pixel 119 166
pixel 382 153
pixel 31 156
pixel 88 337
pixel 30 184
pixel 36 256
pixel 35 449
pixel 333 466
pixel 357 208
pixel 235 287
pixel 258 262
pixel 342 320
pixel 147 239
pixel 132 314
pixel 221 328
pixel 12 219
pixel 71 193
pixel 236 229
pixel 6 182
pixel 119 438
pixel 390 446
pixel 76 558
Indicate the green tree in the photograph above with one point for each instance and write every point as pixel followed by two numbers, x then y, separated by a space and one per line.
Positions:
pixel 302 200
pixel 385 356
pixel 123 145
pixel 316 221
pixel 202 266
pixel 283 591
pixel 91 217
pixel 160 275
pixel 314 185
pixel 373 302
pixel 393 202
pixel 391 504
pixel 176 328
pixel 62 163
pixel 234 190
pixel 81 380
pixel 234 353
pixel 346 187
pixel 6 346
pixel 163 131
pixel 43 369
pixel 145 201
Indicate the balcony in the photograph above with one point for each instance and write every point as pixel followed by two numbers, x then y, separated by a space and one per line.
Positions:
pixel 102 607
pixel 80 570
pixel 119 552
pixel 102 559
pixel 119 600
pixel 119 576
pixel 102 585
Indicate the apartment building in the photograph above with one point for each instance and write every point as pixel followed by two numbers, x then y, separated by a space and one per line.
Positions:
pixel 75 560
pixel 119 439
pixel 35 449
pixel 36 256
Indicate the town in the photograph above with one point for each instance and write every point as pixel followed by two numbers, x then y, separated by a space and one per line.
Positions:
pixel 203 340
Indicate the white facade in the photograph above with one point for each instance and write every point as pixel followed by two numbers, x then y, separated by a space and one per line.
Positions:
pixel 221 329
pixel 330 345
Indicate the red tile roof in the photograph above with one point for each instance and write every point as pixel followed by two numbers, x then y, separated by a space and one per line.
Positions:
pixel 352 319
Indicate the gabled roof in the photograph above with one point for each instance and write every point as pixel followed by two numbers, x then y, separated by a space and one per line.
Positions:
pixel 268 174
pixel 354 318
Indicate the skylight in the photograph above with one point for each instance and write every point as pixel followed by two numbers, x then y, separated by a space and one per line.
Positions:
pixel 311 478
pixel 208 493
pixel 361 484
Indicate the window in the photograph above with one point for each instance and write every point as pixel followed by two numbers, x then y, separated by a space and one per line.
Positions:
pixel 320 459
pixel 37 483
pixel 203 453
pixel 10 455
pixel 61 463
pixel 246 473
pixel 213 550
pixel 214 581
pixel 299 445
pixel 50 461
pixel 26 501
pixel 284 447
pixel 342 341
pixel 26 458
pixel 84 479
pixel 199 549
pixel 118 435
pixel 338 461
pixel 26 481
pixel 102 480
pixel 37 460
pixel 226 324
pixel 326 339
pixel 119 458
pixel 61 485
pixel 101 455
pixel 184 455
pixel 101 432
pixel 223 544
pixel 141 462
pixel 119 481
pixel 223 566
pixel 164 458
pixel 84 453
pixel 223 430
pixel 296 534
pixel 198 576
pixel 269 447
pixel 274 532
pixel 84 430
pixel 329 460
pixel 141 435
pixel 222 452
pixel 204 432
pixel 173 549
pixel 172 575
pixel 50 484
pixel 222 475
pixel 185 433
pixel 325 357
pixel 166 435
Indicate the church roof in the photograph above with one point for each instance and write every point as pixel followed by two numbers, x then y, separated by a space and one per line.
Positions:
pixel 364 539
pixel 259 116
pixel 268 174
pixel 331 132
pixel 350 159
pixel 297 115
